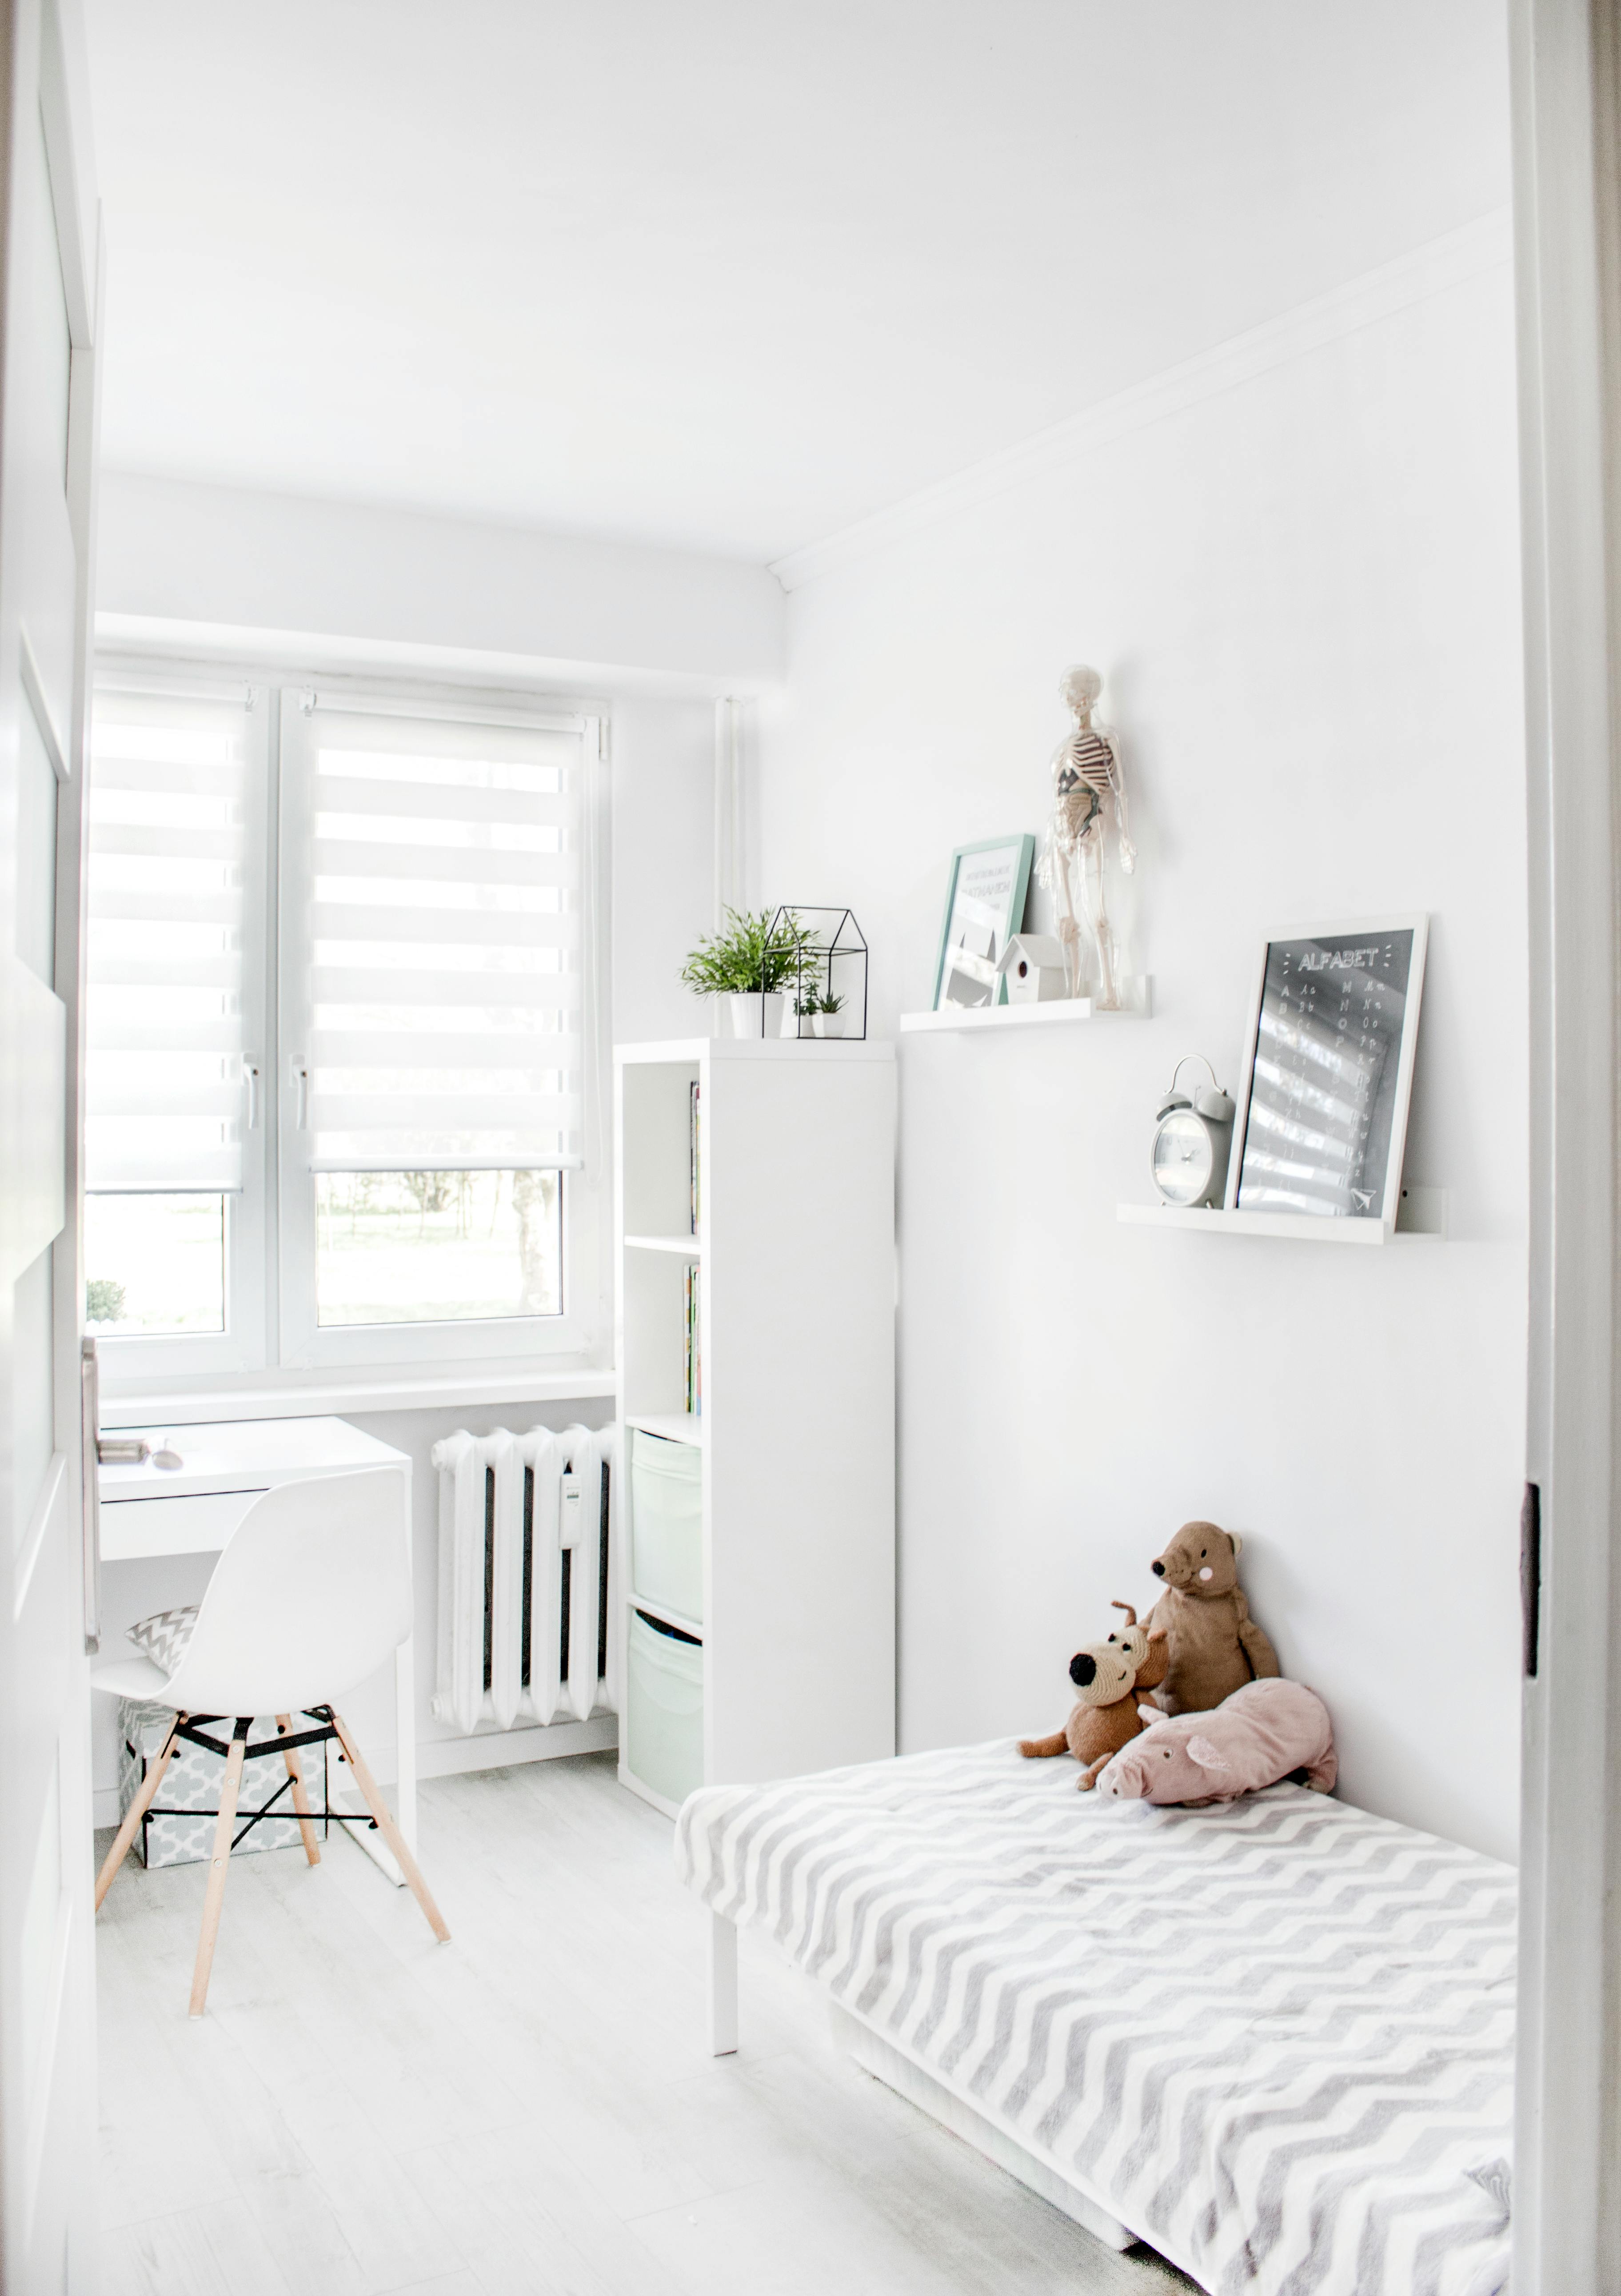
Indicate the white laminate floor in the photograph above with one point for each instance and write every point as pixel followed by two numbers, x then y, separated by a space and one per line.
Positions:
pixel 529 2109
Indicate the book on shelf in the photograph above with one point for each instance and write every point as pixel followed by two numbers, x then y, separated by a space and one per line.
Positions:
pixel 693 1156
pixel 694 1379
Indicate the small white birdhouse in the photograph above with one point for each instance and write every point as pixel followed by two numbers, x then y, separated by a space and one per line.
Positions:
pixel 1033 965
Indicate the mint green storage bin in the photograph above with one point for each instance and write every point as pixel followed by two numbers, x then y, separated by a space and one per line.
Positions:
pixel 664 1710
pixel 667 1525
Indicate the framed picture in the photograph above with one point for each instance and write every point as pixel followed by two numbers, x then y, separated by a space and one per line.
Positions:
pixel 984 908
pixel 1321 1124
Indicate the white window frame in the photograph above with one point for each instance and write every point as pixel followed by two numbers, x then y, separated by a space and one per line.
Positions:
pixel 270 1240
pixel 127 1360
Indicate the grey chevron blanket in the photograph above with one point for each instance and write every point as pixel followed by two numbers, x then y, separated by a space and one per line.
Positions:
pixel 1275 2038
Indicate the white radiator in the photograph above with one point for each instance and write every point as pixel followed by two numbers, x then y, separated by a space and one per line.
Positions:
pixel 525 1565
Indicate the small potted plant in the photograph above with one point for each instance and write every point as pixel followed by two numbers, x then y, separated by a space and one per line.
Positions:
pixel 807 1011
pixel 829 1019
pixel 749 967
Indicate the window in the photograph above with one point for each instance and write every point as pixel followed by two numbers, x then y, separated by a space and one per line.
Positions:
pixel 174 980
pixel 393 1144
pixel 432 940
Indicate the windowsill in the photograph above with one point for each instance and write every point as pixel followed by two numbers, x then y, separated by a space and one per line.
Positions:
pixel 336 1392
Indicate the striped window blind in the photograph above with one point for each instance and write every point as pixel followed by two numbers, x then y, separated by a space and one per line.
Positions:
pixel 440 939
pixel 168 801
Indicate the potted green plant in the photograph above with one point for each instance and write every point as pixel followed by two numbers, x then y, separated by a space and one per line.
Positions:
pixel 750 967
pixel 829 1019
pixel 806 957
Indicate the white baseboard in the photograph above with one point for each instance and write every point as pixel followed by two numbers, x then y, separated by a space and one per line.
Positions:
pixel 496 1749
pixel 449 1757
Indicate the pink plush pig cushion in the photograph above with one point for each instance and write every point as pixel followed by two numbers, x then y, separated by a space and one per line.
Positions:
pixel 1251 1738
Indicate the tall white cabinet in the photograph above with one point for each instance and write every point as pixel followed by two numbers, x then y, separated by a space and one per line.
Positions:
pixel 774 1508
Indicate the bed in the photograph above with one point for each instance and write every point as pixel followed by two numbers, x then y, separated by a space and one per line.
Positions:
pixel 1272 2038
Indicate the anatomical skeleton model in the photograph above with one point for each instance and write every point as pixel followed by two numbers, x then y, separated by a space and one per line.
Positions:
pixel 1088 787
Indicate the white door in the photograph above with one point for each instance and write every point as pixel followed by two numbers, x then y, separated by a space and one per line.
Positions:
pixel 48 235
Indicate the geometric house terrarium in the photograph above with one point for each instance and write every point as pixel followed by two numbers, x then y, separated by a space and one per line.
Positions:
pixel 832 968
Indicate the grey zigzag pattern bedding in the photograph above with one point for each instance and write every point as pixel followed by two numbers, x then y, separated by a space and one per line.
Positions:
pixel 1274 2039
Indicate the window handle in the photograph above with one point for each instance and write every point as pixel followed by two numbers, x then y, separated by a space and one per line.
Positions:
pixel 250 1070
pixel 300 1085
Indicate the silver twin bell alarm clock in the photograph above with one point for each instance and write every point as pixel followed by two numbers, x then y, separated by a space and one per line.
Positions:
pixel 1193 1140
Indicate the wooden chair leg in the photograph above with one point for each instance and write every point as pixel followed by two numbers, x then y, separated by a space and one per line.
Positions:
pixel 389 1832
pixel 138 1810
pixel 219 1864
pixel 300 1800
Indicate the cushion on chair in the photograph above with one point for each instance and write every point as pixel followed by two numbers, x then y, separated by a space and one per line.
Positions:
pixel 163 1637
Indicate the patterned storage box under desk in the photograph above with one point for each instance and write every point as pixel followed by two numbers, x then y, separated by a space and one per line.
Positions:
pixel 179 1829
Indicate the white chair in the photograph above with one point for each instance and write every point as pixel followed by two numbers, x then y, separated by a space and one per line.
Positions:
pixel 310 1596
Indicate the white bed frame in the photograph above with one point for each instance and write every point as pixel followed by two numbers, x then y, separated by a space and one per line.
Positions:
pixel 878 2054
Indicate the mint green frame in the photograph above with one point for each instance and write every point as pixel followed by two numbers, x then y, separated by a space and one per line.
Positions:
pixel 1016 920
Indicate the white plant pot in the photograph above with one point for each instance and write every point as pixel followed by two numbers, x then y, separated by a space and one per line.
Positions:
pixel 756 1016
pixel 830 1024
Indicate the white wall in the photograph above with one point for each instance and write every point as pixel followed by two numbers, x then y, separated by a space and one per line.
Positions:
pixel 1302 587
pixel 663 862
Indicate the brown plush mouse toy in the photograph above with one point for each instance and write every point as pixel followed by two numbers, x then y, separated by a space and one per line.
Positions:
pixel 1215 1646
pixel 1107 1677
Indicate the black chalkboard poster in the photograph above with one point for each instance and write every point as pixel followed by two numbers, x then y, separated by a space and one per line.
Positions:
pixel 1332 1053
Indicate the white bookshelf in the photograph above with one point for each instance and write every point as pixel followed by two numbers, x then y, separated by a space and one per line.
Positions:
pixel 673 1426
pixel 794 1257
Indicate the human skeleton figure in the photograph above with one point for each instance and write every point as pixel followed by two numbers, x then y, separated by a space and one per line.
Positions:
pixel 1087 784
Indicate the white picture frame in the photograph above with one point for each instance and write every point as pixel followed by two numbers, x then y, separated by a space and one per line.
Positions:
pixel 1329 1161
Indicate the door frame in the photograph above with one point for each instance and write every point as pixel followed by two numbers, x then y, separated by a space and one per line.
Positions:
pixel 1564 61
pixel 49 2221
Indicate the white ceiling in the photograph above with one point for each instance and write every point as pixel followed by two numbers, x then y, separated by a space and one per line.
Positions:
pixel 729 273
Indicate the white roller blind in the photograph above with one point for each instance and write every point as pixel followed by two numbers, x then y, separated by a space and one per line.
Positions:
pixel 169 797
pixel 440 938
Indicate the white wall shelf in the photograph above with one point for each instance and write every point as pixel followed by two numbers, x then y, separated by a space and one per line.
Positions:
pixel 1058 1008
pixel 796 1275
pixel 1056 1012
pixel 1421 1220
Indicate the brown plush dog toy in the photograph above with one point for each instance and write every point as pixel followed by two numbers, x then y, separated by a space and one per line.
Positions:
pixel 1107 1676
pixel 1215 1646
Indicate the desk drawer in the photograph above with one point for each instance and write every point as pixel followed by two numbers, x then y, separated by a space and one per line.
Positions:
pixel 200 1524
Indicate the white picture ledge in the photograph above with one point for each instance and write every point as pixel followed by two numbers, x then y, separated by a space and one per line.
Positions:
pixel 1058 1012
pixel 1421 1219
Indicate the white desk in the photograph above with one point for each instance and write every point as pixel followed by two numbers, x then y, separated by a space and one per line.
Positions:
pixel 194 1508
